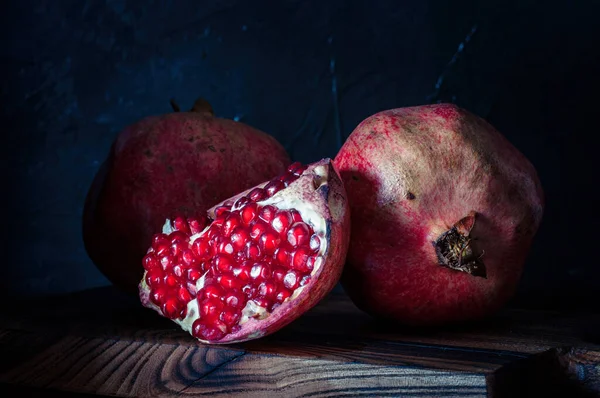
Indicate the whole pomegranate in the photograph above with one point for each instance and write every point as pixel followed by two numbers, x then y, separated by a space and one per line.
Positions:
pixel 183 162
pixel 256 262
pixel 444 210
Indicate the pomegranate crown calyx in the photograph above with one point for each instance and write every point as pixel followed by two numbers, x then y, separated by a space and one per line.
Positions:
pixel 201 106
pixel 455 248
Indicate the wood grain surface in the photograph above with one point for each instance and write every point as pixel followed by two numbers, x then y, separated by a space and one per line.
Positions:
pixel 102 342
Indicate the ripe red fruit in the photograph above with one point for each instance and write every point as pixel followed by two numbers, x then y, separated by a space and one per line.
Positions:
pixel 178 163
pixel 266 279
pixel 444 210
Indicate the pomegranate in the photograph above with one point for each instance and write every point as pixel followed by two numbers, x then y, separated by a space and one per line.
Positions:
pixel 444 210
pixel 256 262
pixel 180 162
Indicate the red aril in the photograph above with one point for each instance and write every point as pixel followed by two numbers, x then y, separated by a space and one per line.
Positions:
pixel 444 210
pixel 259 264
pixel 179 163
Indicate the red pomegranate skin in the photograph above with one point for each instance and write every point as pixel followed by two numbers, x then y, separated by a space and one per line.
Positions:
pixel 178 163
pixel 411 174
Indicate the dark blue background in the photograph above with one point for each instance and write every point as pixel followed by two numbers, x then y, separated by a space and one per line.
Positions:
pixel 75 72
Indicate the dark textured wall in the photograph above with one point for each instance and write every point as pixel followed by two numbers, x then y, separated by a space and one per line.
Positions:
pixel 75 72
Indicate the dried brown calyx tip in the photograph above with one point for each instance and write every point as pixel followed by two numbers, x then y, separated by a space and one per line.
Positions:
pixel 200 106
pixel 454 248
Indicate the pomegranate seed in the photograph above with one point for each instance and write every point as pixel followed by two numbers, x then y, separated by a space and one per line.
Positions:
pixel 279 273
pixel 216 241
pixel 241 202
pixel 218 222
pixel 239 237
pixel 300 259
pixel 249 212
pixel 183 295
pixel 210 308
pixel 281 221
pixel 229 282
pixel 249 291
pixel 217 323
pixel 230 318
pixel 232 221
pixel 225 248
pixel 296 217
pixel 177 270
pixel 282 256
pixel 299 234
pixel 267 213
pixel 196 224
pixel 260 272
pixel 304 280
pixel 296 168
pixel 207 332
pixel 258 228
pixel 178 236
pixel 178 247
pixel 290 281
pixel 213 231
pixel 166 262
pixel 193 275
pixel 310 263
pixel 160 240
pixel 172 308
pixel 202 249
pixel 242 273
pixel 261 302
pixel 154 277
pixel 212 292
pixel 171 280
pixel 191 287
pixel 288 179
pixel 234 299
pixel 161 250
pixel 257 194
pixel 253 251
pixel 157 296
pixel 150 261
pixel 222 210
pixel 267 289
pixel 315 243
pixel 207 268
pixel 282 295
pixel 223 263
pixel 239 256
pixel 269 242
pixel 187 258
pixel 181 224
pixel 273 187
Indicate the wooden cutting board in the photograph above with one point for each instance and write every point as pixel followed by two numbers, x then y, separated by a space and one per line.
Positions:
pixel 102 342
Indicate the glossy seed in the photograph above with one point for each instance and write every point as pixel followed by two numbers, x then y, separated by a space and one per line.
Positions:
pixel 290 280
pixel 267 213
pixel 282 221
pixel 257 194
pixel 298 234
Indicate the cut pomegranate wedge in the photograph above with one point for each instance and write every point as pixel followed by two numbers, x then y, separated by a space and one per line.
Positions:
pixel 256 262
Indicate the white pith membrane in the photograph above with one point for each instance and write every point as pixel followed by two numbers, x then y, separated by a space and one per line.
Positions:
pixel 286 199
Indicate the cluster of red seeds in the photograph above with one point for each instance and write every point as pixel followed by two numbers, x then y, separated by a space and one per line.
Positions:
pixel 249 252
